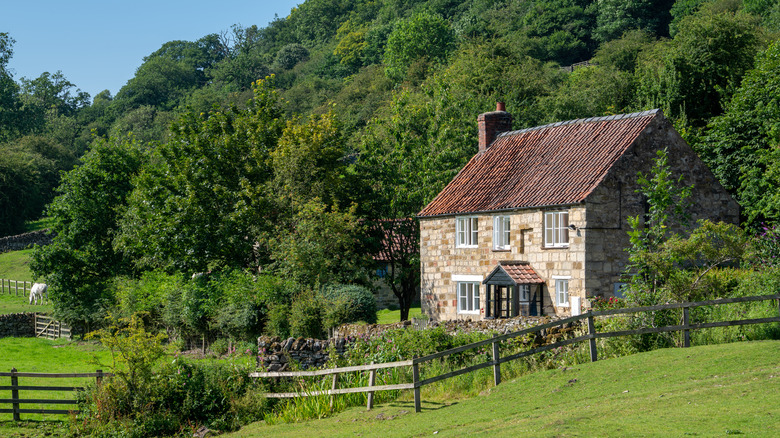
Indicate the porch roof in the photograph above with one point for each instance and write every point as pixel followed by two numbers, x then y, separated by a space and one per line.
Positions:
pixel 511 273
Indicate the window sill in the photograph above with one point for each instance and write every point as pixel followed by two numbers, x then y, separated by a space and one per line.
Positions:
pixel 468 312
pixel 502 250
pixel 467 247
pixel 556 247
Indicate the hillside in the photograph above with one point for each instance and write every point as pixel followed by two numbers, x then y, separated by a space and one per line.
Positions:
pixel 715 390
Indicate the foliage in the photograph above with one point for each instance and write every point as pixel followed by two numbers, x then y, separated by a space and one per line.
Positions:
pixel 346 303
pixel 560 30
pixel 181 396
pixel 614 17
pixel 134 350
pixel 691 75
pixel 766 247
pixel 424 37
pixel 306 316
pixel 200 202
pixel 740 145
pixel 320 245
pixel 82 259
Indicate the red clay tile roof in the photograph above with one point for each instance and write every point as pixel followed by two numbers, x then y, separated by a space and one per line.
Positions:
pixel 519 272
pixel 554 164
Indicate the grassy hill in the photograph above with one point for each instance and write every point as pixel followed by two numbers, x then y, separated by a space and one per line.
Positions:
pixel 716 390
pixel 15 265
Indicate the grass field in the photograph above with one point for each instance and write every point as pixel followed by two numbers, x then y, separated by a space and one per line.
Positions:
pixel 387 316
pixel 43 356
pixel 15 265
pixel 10 303
pixel 718 390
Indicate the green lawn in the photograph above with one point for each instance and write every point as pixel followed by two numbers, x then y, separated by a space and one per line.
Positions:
pixel 10 303
pixel 43 356
pixel 718 390
pixel 387 316
pixel 15 265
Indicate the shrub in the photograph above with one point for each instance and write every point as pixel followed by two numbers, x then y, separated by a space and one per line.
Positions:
pixel 306 316
pixel 347 303
pixel 278 323
pixel 182 395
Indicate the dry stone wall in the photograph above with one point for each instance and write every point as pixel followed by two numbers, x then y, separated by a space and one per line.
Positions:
pixel 26 240
pixel 275 354
pixel 20 325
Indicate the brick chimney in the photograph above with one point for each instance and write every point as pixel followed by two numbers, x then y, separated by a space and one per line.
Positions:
pixel 492 124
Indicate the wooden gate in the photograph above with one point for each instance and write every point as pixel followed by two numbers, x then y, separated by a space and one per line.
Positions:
pixel 49 328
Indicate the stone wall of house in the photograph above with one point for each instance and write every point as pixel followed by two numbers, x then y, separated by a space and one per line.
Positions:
pixel 616 199
pixel 20 325
pixel 442 263
pixel 26 240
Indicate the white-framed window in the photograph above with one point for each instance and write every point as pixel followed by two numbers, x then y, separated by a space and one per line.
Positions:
pixel 525 292
pixel 468 292
pixel 501 232
pixel 561 291
pixel 466 232
pixel 556 229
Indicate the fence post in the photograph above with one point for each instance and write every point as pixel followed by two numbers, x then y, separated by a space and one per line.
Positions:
pixel 416 380
pixel 686 331
pixel 371 382
pixel 15 394
pixel 333 388
pixel 591 333
pixel 99 378
pixel 496 364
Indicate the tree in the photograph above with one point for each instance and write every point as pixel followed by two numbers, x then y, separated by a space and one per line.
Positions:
pixel 309 161
pixel 201 201
pixel 422 38
pixel 668 203
pixel 321 245
pixel 82 258
pixel 560 30
pixel 398 242
pixel 740 146
pixel 690 76
pixel 614 17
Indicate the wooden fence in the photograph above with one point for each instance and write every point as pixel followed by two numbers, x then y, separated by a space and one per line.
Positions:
pixel 591 337
pixel 49 328
pixel 14 287
pixel 15 401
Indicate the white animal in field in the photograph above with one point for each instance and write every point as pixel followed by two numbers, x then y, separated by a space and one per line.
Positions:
pixel 37 291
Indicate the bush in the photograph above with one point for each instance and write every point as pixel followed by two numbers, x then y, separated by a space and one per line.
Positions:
pixel 181 395
pixel 306 316
pixel 345 303
pixel 278 323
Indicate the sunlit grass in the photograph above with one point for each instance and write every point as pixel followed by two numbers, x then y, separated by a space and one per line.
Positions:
pixel 712 390
pixel 15 265
pixel 387 316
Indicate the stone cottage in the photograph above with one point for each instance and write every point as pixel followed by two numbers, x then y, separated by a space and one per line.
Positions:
pixel 537 219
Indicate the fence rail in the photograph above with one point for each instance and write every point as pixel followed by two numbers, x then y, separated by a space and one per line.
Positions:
pixel 497 360
pixel 15 401
pixel 15 286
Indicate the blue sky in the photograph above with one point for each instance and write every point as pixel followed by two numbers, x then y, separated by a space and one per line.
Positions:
pixel 98 44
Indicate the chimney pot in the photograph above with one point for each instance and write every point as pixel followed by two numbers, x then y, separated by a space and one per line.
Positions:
pixel 500 106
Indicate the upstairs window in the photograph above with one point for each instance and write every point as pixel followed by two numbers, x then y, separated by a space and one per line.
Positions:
pixel 556 229
pixel 466 232
pixel 501 233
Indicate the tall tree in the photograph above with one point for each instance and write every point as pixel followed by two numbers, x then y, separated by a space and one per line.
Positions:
pixel 201 203
pixel 741 145
pixel 82 258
